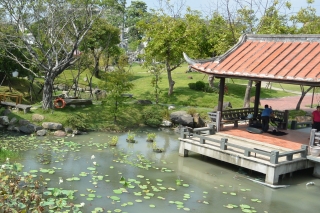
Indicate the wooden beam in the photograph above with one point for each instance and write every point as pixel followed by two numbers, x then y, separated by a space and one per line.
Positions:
pixel 257 99
pixel 221 93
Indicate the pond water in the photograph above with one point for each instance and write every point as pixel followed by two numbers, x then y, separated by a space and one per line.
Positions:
pixel 156 182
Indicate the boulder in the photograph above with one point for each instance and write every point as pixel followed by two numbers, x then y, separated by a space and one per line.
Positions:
pixel 52 125
pixel 4 120
pixel 60 133
pixel 6 112
pixel 37 117
pixel 68 130
pixel 186 120
pixel 13 121
pixel 175 116
pixel 42 132
pixel 1 126
pixel 28 129
pixel 23 122
pixel 144 102
pixel 198 121
pixel 225 105
pixel 166 123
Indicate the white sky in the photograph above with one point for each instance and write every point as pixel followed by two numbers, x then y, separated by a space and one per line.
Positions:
pixel 206 5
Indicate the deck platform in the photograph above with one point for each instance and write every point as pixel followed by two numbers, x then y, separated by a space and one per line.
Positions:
pixel 264 153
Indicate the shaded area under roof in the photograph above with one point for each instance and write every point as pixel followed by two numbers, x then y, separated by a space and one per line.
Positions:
pixel 292 59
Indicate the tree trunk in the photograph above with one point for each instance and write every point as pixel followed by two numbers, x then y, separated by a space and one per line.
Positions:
pixel 171 83
pixel 96 67
pixel 47 93
pixel 303 93
pixel 211 80
pixel 246 101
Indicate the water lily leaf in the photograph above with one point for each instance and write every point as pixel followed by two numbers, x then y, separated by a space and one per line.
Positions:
pixel 152 206
pixel 117 210
pixel 205 202
pixel 186 209
pixel 159 180
pixel 138 201
pixel 130 203
pixel 140 176
pixel 185 185
pixel 243 206
pixel 117 191
pixel 232 193
pixel 115 198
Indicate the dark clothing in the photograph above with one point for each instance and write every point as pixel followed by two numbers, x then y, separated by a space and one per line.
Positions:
pixel 316 125
pixel 265 123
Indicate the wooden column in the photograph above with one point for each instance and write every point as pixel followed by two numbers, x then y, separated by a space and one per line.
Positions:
pixel 257 99
pixel 221 93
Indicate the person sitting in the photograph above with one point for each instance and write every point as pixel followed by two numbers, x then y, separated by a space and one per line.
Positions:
pixel 265 117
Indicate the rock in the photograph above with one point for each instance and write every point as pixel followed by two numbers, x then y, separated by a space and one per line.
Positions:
pixel 52 125
pixel 186 120
pixel 13 121
pixel 166 123
pixel 171 107
pixel 76 132
pixel 68 130
pixel 1 126
pixel 198 122
pixel 225 105
pixel 37 117
pixel 6 112
pixel 23 122
pixel 144 102
pixel 175 116
pixel 4 120
pixel 28 129
pixel 42 132
pixel 60 133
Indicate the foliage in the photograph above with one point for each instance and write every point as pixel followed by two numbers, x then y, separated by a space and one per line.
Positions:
pixel 78 121
pixel 131 136
pixel 6 153
pixel 151 136
pixel 114 140
pixel 200 85
pixel 152 116
pixel 191 111
pixel 116 83
pixel 156 70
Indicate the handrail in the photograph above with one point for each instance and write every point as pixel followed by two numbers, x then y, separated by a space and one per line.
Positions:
pixel 4 96
pixel 274 154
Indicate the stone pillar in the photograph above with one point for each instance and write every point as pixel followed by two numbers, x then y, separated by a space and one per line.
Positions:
pixel 182 151
pixel 316 170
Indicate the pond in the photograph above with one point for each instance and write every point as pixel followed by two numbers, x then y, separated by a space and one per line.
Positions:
pixel 130 177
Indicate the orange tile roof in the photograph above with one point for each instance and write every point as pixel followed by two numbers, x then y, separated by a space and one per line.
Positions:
pixel 291 59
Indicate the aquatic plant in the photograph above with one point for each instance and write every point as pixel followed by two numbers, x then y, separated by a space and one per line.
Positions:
pixel 151 137
pixel 156 148
pixel 114 141
pixel 131 137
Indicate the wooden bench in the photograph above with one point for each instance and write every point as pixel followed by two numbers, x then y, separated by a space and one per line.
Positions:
pixel 24 107
pixel 236 115
pixel 301 121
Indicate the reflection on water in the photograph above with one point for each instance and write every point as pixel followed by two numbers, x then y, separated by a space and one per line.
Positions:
pixel 211 184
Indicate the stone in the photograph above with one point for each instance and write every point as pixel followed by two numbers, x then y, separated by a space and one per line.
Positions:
pixel 225 105
pixel 198 121
pixel 6 112
pixel 76 132
pixel 186 120
pixel 144 102
pixel 1 126
pixel 28 129
pixel 60 133
pixel 52 125
pixel 13 121
pixel 37 117
pixel 4 120
pixel 68 130
pixel 171 107
pixel 174 117
pixel 166 123
pixel 23 122
pixel 42 132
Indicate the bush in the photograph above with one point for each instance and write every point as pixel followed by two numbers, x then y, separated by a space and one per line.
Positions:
pixel 152 116
pixel 192 86
pixel 191 111
pixel 200 85
pixel 78 121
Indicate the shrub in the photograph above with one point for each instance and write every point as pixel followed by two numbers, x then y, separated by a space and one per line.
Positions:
pixel 78 121
pixel 200 85
pixel 152 116
pixel 191 111
pixel 192 86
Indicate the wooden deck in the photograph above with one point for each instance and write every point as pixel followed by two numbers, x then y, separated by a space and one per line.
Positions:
pixel 265 153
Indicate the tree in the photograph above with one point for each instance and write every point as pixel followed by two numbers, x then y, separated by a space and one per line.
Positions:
pixel 136 12
pixel 168 37
pixel 116 83
pixel 48 32
pixel 156 70
pixel 101 38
